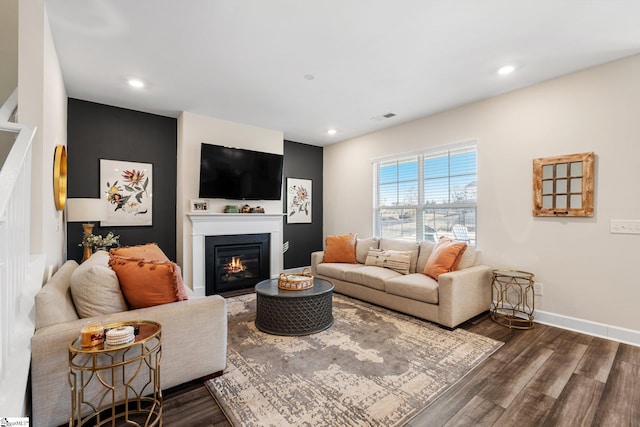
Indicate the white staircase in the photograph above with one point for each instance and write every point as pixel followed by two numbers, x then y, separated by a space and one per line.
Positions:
pixel 16 292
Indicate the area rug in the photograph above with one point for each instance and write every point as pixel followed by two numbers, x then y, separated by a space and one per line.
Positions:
pixel 373 367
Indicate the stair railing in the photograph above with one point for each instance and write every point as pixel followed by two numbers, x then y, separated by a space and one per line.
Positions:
pixel 15 190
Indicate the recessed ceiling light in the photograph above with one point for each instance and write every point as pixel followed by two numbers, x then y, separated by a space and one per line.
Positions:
pixel 309 77
pixel 332 131
pixel 137 83
pixel 507 69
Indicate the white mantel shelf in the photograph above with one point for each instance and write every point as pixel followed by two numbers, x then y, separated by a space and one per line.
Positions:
pixel 208 216
pixel 220 224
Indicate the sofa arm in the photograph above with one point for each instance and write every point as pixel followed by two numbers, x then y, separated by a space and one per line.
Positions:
pixel 194 344
pixel 464 294
pixel 316 258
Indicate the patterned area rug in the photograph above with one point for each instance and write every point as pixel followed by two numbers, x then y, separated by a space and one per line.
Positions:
pixel 373 367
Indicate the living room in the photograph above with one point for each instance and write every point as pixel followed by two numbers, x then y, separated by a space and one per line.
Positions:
pixel 586 270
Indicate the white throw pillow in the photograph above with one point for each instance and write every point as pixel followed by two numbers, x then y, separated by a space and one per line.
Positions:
pixel 399 261
pixel 468 258
pixel 95 288
pixel 363 246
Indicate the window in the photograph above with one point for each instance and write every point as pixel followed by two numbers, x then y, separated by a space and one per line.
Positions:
pixel 427 195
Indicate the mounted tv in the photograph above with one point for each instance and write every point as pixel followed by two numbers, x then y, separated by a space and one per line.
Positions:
pixel 237 174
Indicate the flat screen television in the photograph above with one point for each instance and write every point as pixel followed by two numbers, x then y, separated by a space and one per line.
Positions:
pixel 238 174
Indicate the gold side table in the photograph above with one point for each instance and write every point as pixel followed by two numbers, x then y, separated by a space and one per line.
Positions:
pixel 109 383
pixel 512 302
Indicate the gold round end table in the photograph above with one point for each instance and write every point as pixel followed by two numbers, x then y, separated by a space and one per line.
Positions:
pixel 109 383
pixel 513 302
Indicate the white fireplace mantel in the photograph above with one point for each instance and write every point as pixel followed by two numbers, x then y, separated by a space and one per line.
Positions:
pixel 221 224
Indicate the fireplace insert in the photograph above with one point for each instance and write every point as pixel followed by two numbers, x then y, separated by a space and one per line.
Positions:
pixel 236 262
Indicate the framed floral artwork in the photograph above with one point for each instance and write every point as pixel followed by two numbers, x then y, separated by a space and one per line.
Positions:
pixel 127 187
pixel 298 200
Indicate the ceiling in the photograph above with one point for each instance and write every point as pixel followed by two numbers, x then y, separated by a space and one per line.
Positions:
pixel 304 67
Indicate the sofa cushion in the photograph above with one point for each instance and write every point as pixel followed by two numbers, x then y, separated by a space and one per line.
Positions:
pixel 402 245
pixel 414 286
pixel 468 258
pixel 95 288
pixel 444 258
pixel 340 248
pixel 425 251
pixel 53 303
pixel 335 270
pixel 370 276
pixel 363 246
pixel 149 251
pixel 399 261
pixel 148 283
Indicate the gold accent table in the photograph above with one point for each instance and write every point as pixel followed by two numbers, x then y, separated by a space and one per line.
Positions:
pixel 128 374
pixel 512 298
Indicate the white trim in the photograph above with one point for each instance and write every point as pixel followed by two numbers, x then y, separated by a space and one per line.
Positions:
pixel 615 333
pixel 430 150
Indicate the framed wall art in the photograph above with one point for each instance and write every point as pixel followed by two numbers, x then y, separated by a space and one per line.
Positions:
pixel 199 205
pixel 128 189
pixel 563 185
pixel 298 201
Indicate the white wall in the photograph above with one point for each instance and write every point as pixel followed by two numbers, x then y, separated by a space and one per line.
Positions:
pixel 8 48
pixel 587 272
pixel 194 129
pixel 42 101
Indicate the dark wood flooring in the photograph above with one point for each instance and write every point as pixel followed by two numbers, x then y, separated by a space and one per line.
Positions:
pixel 541 377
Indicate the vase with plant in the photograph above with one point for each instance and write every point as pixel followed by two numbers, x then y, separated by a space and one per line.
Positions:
pixel 100 243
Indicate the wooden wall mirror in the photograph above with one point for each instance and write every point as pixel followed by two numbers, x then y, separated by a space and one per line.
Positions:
pixel 563 185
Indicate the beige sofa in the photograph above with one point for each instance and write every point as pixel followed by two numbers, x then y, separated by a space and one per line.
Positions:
pixel 194 339
pixel 456 297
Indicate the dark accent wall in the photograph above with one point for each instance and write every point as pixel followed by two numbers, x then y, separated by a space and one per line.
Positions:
pixel 96 131
pixel 303 161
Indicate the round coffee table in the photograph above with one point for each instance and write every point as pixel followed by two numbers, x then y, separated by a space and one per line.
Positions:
pixel 282 312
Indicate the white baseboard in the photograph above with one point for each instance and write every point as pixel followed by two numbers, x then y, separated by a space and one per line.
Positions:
pixel 615 333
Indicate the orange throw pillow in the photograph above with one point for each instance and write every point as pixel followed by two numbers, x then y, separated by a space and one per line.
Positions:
pixel 444 258
pixel 150 251
pixel 340 248
pixel 148 283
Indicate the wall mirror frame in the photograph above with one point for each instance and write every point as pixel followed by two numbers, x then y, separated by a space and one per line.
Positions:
pixel 563 185
pixel 60 177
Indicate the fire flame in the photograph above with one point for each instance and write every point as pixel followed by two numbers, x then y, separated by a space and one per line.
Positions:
pixel 235 266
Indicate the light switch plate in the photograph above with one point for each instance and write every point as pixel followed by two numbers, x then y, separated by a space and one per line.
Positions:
pixel 625 226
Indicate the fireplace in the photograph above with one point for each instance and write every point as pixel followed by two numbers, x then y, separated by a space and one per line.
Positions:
pixel 224 224
pixel 236 262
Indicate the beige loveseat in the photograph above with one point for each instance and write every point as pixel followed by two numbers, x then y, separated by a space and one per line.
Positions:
pixel 194 337
pixel 454 298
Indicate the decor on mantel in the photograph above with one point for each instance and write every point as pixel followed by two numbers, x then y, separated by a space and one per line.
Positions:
pixel 373 367
pixel 563 185
pixel 298 200
pixel 128 187
pixel 244 209
pixel 199 205
pixel 87 211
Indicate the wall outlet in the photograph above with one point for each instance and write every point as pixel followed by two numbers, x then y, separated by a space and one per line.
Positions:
pixel 537 288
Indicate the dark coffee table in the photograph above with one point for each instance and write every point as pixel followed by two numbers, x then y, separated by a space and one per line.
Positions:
pixel 282 312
